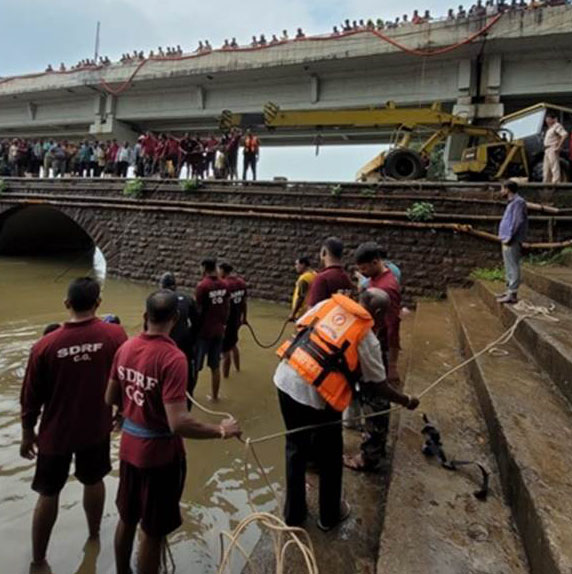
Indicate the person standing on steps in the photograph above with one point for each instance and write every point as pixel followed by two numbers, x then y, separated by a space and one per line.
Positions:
pixel 334 346
pixel 513 229
pixel 368 257
pixel 184 332
pixel 65 383
pixel 237 293
pixel 213 305
pixel 306 276
pixel 147 384
pixel 250 153
pixel 332 278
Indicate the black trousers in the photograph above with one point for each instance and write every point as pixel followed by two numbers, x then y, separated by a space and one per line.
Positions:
pixel 249 161
pixel 325 447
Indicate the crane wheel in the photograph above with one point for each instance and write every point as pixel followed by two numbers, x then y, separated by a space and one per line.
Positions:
pixel 404 164
pixel 537 173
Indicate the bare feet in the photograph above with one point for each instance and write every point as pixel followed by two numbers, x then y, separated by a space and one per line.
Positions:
pixel 355 462
pixel 212 399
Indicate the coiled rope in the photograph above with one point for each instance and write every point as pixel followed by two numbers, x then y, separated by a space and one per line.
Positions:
pixel 285 536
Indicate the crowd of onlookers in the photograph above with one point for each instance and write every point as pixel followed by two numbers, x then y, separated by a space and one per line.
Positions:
pixel 481 9
pixel 162 155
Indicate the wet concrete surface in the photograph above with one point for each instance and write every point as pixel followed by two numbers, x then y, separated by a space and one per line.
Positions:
pixel 530 429
pixel 434 524
pixel 352 547
pixel 215 497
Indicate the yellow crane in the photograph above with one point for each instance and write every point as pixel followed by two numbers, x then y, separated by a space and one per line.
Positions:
pixel 401 162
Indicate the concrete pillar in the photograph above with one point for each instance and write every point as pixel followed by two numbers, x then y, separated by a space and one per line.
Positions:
pixel 32 109
pixel 201 97
pixel 314 89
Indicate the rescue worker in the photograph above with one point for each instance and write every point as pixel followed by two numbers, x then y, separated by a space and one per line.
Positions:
pixel 65 383
pixel 250 154
pixel 368 257
pixel 213 304
pixel 332 278
pixel 237 293
pixel 184 332
pixel 147 383
pixel 317 371
pixel 554 139
pixel 306 276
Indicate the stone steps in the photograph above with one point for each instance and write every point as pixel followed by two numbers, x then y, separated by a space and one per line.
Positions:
pixel 433 522
pixel 550 344
pixel 554 282
pixel 530 428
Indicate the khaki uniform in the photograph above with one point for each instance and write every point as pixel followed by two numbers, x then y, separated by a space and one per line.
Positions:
pixel 551 167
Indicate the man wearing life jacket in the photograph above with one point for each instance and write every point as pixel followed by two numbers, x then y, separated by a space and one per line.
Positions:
pixel 306 276
pixel 334 347
pixel 250 154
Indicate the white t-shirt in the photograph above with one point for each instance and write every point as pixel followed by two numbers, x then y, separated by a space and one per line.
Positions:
pixel 291 383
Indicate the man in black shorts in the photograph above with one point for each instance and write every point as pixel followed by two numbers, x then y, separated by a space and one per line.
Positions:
pixel 213 303
pixel 148 384
pixel 237 317
pixel 65 382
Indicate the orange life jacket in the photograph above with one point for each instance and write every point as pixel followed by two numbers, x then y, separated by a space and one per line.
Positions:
pixel 324 352
pixel 251 144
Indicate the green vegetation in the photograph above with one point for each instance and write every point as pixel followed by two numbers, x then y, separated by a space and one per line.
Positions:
pixel 437 169
pixel 336 190
pixel 421 211
pixel 190 185
pixel 488 274
pixel 3 186
pixel 134 188
pixel 548 257
pixel 368 191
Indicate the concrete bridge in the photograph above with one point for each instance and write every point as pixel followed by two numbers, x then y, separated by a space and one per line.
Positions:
pixel 263 227
pixel 480 67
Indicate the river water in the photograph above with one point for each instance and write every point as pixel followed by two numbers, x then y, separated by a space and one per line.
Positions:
pixel 215 499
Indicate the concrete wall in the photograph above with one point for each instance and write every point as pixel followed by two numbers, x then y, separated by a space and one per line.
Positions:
pixel 140 240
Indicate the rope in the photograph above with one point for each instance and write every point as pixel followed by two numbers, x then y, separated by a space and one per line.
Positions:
pixel 270 345
pixel 298 537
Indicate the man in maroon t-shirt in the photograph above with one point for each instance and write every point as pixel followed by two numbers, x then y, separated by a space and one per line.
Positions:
pixel 213 304
pixel 371 265
pixel 332 279
pixel 65 382
pixel 237 317
pixel 148 383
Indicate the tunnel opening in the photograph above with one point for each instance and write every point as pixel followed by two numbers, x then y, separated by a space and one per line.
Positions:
pixel 39 230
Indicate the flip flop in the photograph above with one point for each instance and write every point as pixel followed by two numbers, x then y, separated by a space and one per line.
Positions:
pixel 345 511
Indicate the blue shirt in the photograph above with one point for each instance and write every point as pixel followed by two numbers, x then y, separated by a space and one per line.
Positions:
pixel 514 223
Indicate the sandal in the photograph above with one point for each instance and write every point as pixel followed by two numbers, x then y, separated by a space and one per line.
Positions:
pixel 345 511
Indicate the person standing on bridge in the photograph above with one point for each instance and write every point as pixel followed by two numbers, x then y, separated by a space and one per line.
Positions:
pixel 512 232
pixel 250 153
pixel 554 140
pixel 65 383
pixel 213 303
pixel 147 385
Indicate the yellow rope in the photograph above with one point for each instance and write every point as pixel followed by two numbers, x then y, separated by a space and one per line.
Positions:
pixel 298 537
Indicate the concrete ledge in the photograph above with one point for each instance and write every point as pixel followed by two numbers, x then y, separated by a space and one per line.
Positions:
pixel 549 344
pixel 433 523
pixel 530 429
pixel 553 282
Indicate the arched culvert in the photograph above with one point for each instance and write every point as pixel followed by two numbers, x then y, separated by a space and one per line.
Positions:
pixel 41 230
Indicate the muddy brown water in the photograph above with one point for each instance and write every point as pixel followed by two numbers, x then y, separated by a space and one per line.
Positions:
pixel 215 497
